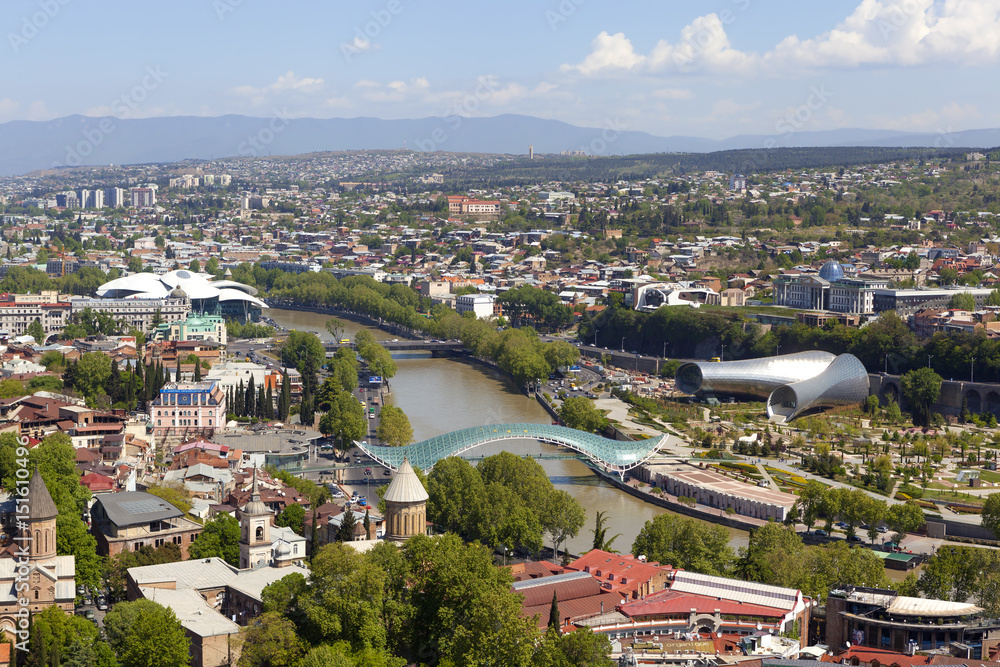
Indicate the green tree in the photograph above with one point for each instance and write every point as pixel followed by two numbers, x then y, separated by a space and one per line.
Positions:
pixel 962 301
pixel 991 514
pixel 345 599
pixel 921 387
pixel 459 623
pixel 9 388
pixel 809 502
pixel 220 538
pixel 455 491
pixel 852 507
pixel 904 518
pixel 562 518
pixel 504 519
pixel 293 516
pixel 194 266
pixel 93 370
pixel 37 331
pixel 146 634
pixel 994 298
pixel 685 543
pixel 774 555
pixel 948 276
pixel 270 640
pixel 580 413
pixel 836 562
pixel 336 329
pixel 580 648
pixel 345 533
pixel 601 540
pixel 560 354
pixel 554 621
pixel 394 428
pixel 57 637
pixel 174 493
pixel 298 346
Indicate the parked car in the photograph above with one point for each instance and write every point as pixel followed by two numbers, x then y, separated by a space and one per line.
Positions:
pixel 102 603
pixel 820 532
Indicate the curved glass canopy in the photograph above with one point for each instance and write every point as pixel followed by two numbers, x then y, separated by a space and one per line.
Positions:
pixel 613 455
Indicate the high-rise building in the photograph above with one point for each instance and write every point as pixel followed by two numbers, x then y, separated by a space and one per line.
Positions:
pixel 143 197
pixel 115 197
pixel 90 198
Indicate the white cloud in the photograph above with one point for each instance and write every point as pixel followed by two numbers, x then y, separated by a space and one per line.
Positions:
pixel 672 94
pixel 8 109
pixel 610 52
pixel 703 44
pixel 876 33
pixel 394 91
pixel 282 86
pixel 934 120
pixel 902 32
pixel 39 111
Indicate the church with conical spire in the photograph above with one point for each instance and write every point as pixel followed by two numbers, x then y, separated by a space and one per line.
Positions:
pixel 405 505
pixel 32 576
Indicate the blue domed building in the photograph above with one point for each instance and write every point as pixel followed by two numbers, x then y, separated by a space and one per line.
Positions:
pixel 832 271
pixel 834 289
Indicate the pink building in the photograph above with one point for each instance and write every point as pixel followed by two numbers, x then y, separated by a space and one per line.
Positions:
pixel 188 410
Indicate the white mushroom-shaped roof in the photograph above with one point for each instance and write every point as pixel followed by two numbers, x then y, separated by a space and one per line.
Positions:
pixel 198 286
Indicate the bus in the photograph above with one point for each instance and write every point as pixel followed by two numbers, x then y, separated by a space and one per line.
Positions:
pixel 345 341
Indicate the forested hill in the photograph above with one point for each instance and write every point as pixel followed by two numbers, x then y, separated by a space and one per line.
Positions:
pixel 637 167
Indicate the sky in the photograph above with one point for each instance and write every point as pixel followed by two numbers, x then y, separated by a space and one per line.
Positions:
pixel 715 68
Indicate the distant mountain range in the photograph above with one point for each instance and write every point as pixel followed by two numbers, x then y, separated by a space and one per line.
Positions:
pixel 80 140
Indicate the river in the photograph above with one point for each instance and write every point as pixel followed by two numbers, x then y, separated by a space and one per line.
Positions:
pixel 444 395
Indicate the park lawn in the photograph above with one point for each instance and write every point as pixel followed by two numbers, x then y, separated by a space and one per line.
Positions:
pixel 948 496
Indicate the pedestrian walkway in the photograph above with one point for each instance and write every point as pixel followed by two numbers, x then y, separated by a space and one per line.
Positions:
pixel 763 471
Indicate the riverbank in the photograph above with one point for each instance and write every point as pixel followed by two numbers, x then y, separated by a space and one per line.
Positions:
pixel 441 399
pixel 360 318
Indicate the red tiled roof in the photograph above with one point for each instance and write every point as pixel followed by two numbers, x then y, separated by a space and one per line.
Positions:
pixel 865 654
pixel 96 482
pixel 675 602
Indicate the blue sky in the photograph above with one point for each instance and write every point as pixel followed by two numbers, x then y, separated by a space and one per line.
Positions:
pixel 712 69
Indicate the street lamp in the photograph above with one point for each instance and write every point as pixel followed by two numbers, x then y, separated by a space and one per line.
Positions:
pixel 623 343
pixel 929 357
pixel 595 337
pixel 972 370
pixel 777 349
pixel 722 356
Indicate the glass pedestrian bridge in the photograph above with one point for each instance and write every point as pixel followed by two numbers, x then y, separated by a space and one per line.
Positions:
pixel 617 456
